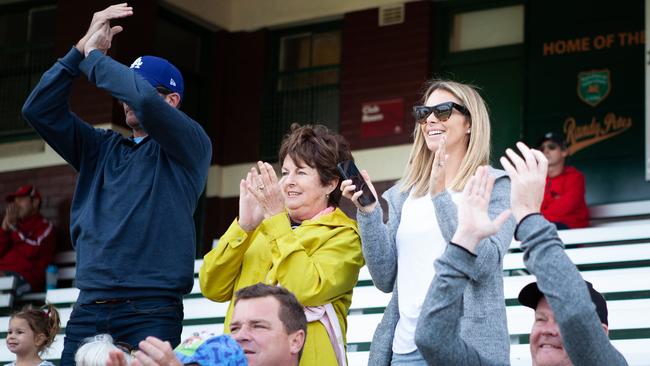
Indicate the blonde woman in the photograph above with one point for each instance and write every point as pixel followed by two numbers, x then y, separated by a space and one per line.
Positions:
pixel 451 140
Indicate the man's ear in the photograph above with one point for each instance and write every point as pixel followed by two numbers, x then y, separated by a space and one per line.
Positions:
pixel 565 153
pixel 296 341
pixel 36 203
pixel 174 99
pixel 605 328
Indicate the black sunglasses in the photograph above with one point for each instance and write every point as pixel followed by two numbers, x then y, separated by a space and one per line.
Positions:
pixel 442 111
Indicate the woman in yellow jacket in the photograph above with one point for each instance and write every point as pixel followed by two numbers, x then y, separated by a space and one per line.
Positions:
pixel 291 233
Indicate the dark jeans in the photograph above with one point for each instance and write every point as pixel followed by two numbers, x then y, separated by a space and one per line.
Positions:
pixel 128 321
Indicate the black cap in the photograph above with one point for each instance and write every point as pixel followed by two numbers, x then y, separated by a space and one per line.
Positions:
pixel 551 136
pixel 529 296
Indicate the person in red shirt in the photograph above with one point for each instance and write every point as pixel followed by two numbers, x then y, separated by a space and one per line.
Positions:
pixel 26 240
pixel 564 197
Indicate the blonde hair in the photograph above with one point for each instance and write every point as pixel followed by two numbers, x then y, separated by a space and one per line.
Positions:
pixel 418 170
pixel 96 350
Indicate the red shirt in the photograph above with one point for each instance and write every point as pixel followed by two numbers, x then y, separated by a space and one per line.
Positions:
pixel 564 199
pixel 28 250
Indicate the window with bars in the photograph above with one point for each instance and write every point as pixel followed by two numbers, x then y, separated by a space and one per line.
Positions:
pixel 26 51
pixel 304 83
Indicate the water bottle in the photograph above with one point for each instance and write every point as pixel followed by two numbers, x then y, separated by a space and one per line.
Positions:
pixel 51 276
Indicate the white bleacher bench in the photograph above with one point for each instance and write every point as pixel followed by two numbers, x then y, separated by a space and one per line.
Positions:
pixel 615 259
pixel 622 213
pixel 7 288
pixel 65 261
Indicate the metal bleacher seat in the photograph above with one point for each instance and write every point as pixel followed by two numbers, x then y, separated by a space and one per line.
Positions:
pixel 615 259
pixel 7 288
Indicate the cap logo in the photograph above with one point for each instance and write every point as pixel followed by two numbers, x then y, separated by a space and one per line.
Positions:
pixel 137 63
pixel 172 82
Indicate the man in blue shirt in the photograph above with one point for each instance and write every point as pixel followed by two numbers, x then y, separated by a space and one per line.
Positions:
pixel 131 217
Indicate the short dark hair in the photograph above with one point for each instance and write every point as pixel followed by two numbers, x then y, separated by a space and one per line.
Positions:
pixel 291 312
pixel 321 149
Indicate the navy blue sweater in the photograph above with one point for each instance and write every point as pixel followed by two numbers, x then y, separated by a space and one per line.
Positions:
pixel 131 217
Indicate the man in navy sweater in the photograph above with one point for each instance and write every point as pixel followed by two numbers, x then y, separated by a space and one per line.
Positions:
pixel 131 217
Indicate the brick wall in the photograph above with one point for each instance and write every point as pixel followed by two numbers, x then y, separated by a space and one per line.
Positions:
pixel 382 63
pixel 56 185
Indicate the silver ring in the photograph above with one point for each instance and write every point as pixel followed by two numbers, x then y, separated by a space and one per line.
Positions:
pixel 261 188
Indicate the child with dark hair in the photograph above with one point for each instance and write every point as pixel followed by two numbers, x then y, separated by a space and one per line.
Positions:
pixel 31 331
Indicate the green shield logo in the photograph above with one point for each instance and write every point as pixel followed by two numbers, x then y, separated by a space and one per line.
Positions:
pixel 594 86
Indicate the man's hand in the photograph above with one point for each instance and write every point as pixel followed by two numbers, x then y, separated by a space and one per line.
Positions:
pixel 103 18
pixel 527 179
pixel 474 224
pixel 152 352
pixel 101 40
pixel 11 217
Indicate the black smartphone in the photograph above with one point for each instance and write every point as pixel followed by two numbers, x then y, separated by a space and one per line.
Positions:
pixel 349 170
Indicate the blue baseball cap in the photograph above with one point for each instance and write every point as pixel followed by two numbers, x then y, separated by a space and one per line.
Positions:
pixel 159 72
pixel 212 351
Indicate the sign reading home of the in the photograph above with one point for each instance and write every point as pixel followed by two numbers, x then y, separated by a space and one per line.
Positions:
pixel 587 87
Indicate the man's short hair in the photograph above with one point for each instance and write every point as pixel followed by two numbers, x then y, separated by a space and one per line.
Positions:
pixel 291 313
pixel 529 296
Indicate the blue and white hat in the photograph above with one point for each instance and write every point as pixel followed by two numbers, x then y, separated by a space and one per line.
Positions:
pixel 159 72
pixel 206 349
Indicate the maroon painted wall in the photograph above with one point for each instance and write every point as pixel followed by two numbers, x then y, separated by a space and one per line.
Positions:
pixel 381 63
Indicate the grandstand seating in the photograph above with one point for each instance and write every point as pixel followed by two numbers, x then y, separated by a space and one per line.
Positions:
pixel 616 259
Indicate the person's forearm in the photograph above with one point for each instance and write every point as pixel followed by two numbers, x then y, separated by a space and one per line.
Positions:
pixel 47 109
pixel 378 248
pixel 437 334
pixel 565 290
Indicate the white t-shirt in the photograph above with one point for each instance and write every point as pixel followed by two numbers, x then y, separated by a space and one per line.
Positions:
pixel 44 363
pixel 419 243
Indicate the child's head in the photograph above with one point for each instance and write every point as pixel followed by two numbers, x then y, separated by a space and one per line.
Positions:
pixel 32 330
pixel 96 350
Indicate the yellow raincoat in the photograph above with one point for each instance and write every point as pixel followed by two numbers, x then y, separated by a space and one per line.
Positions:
pixel 319 261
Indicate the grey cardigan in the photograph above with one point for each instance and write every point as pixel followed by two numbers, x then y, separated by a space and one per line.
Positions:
pixel 557 277
pixel 484 321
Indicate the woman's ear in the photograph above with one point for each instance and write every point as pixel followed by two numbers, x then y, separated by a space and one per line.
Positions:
pixel 331 186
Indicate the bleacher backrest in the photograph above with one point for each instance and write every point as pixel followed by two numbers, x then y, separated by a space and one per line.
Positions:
pixel 615 259
pixel 622 213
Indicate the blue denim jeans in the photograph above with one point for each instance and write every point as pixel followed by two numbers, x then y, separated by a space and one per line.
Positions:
pixel 128 321
pixel 412 359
